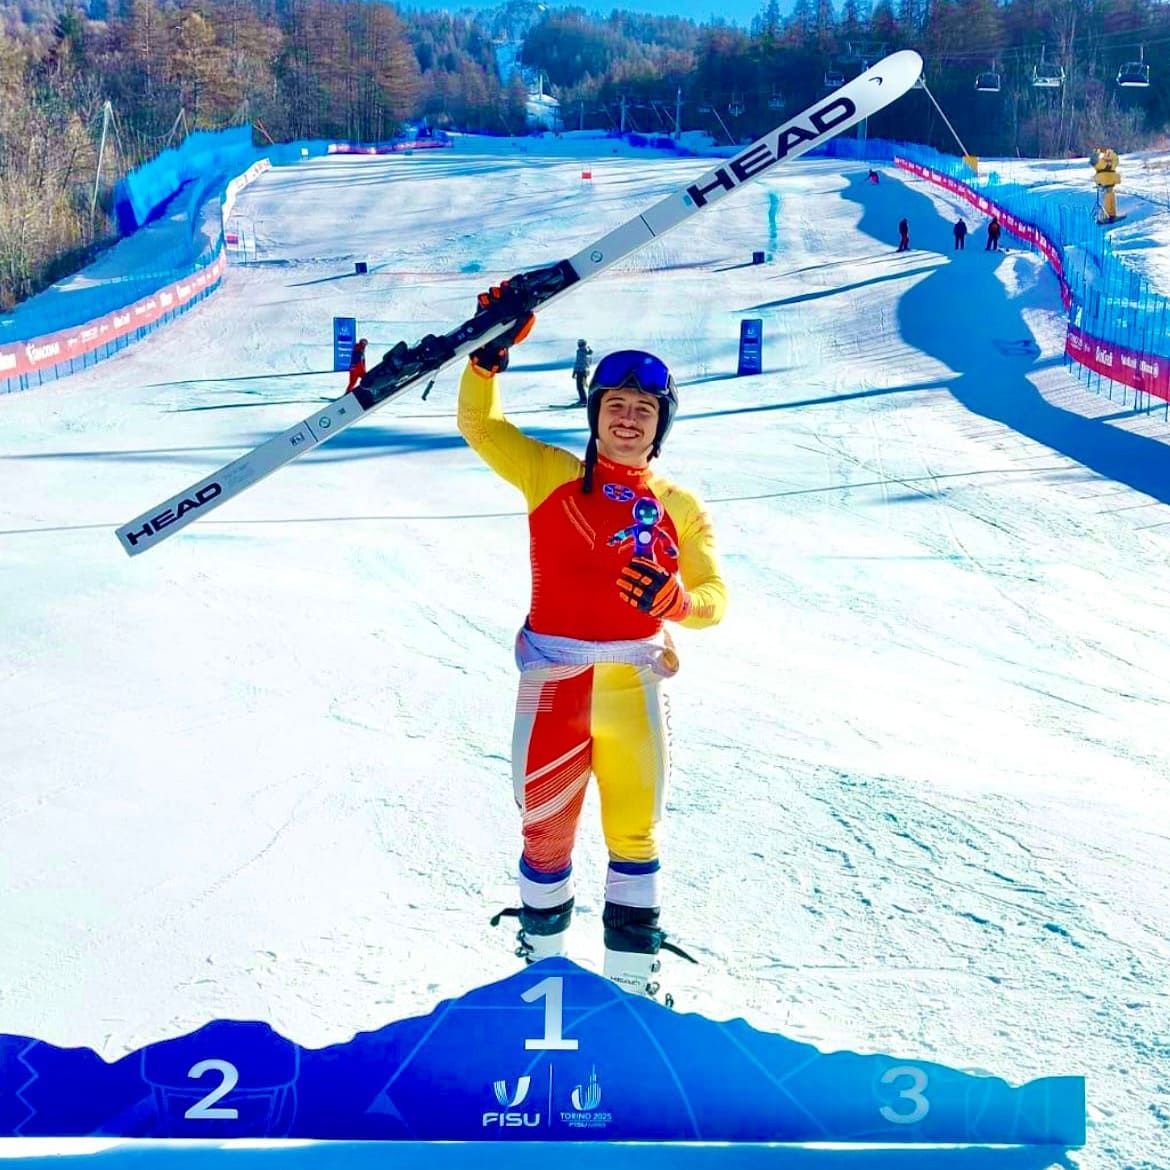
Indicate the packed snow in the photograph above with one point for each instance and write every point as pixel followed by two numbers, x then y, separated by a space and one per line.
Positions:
pixel 921 771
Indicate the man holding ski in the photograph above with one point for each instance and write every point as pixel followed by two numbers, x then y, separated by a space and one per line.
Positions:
pixel 617 552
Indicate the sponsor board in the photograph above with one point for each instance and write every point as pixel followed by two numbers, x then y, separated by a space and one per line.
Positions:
pixel 42 353
pixel 1144 372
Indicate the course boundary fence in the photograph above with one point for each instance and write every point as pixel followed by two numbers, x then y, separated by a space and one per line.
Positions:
pixel 1117 323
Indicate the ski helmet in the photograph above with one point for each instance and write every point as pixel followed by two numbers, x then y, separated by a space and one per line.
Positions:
pixel 630 369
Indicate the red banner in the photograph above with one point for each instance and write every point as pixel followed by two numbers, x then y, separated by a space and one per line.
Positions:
pixel 404 147
pixel 1142 371
pixel 27 357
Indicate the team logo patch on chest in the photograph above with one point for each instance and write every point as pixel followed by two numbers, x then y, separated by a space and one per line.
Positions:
pixel 619 492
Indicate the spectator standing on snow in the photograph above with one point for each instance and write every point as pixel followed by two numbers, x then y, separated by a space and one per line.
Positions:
pixel 357 365
pixel 581 364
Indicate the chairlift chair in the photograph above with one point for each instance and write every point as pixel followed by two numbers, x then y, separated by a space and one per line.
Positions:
pixel 1135 74
pixel 1047 76
pixel 735 106
pixel 987 82
pixel 834 79
pixel 776 101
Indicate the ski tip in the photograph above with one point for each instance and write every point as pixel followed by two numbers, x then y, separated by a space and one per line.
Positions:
pixel 903 68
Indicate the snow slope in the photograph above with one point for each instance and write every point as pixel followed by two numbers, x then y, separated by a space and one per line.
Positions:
pixel 921 789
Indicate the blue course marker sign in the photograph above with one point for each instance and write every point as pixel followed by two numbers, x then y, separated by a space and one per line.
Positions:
pixel 552 1053
pixel 344 337
pixel 751 346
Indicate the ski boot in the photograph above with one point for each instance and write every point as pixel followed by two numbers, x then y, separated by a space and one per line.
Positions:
pixel 543 933
pixel 633 942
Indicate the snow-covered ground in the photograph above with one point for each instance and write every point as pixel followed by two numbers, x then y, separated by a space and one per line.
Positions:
pixel 1142 237
pixel 922 778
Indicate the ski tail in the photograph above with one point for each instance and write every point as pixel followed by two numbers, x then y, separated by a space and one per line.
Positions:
pixel 401 367
pixel 404 365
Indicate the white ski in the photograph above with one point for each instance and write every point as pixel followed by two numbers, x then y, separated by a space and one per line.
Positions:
pixel 404 365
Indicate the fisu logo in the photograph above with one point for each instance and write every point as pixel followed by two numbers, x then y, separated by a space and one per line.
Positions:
pixel 619 492
pixel 508 1117
pixel 501 1091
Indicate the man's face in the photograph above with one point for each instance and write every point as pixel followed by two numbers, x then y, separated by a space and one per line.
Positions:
pixel 626 426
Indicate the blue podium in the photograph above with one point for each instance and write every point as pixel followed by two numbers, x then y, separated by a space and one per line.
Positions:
pixel 554 1053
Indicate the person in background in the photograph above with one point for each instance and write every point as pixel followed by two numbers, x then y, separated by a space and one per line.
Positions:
pixel 992 235
pixel 960 234
pixel 616 552
pixel 357 365
pixel 581 364
pixel 873 177
pixel 903 235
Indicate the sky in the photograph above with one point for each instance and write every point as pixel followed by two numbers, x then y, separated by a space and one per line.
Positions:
pixel 921 779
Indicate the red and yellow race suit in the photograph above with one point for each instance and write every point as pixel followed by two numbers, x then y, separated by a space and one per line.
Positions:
pixel 592 665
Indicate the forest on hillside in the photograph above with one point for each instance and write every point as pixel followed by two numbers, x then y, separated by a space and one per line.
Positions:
pixel 146 72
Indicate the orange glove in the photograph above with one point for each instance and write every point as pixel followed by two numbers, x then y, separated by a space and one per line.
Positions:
pixel 505 301
pixel 653 590
pixel 493 357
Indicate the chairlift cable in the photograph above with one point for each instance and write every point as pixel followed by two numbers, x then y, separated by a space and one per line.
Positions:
pixel 922 82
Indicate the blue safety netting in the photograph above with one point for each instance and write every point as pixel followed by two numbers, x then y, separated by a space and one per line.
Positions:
pixel 165 239
pixel 1109 300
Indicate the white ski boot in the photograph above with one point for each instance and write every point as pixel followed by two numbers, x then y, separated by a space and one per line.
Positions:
pixel 534 947
pixel 543 934
pixel 633 942
pixel 633 971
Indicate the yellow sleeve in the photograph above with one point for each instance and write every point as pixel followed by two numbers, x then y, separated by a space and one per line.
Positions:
pixel 697 563
pixel 534 467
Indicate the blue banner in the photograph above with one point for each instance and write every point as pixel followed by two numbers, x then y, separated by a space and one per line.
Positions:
pixel 553 1053
pixel 751 345
pixel 344 339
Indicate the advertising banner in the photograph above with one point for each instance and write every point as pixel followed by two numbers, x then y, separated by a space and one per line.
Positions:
pixel 43 353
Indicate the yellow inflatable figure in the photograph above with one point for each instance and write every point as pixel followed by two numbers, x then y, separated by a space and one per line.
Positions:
pixel 1105 162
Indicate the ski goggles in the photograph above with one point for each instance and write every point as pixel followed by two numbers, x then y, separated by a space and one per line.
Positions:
pixel 632 368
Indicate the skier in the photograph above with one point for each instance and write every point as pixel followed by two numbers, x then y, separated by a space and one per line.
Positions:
pixel 873 177
pixel 992 235
pixel 581 364
pixel 960 230
pixel 593 651
pixel 357 365
pixel 903 235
